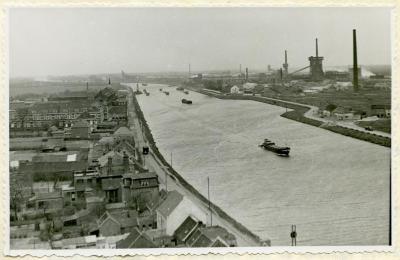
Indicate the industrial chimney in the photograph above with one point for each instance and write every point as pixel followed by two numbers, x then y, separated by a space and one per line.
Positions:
pixel 247 74
pixel 355 63
pixel 286 65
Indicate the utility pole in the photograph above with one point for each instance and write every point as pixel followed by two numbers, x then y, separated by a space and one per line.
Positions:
pixel 293 235
pixel 166 181
pixel 209 201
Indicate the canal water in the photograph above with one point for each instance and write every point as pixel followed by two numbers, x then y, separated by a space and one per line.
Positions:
pixel 335 189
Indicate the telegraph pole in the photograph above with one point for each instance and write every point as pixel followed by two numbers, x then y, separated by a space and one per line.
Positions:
pixel 209 201
pixel 293 235
pixel 166 181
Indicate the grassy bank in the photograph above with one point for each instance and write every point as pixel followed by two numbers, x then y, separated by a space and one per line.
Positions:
pixel 298 115
pixel 187 185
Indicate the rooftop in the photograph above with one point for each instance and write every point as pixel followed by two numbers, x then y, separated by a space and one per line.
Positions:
pixel 170 203
pixel 136 239
pixel 184 230
pixel 123 131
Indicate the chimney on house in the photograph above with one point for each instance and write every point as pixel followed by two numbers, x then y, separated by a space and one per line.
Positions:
pixel 109 165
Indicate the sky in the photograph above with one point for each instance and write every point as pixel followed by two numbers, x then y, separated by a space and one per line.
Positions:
pixel 69 41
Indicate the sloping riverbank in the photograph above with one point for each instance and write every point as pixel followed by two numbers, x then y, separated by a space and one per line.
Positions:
pixel 222 214
pixel 298 112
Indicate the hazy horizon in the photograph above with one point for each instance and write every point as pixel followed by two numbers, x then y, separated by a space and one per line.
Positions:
pixel 84 41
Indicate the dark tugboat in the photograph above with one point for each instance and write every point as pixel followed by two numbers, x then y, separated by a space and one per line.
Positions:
pixel 186 92
pixel 186 101
pixel 166 93
pixel 271 146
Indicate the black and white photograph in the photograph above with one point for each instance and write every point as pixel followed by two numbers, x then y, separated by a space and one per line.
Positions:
pixel 198 129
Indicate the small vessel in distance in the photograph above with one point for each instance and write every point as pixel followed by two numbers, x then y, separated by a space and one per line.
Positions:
pixel 271 146
pixel 144 84
pixel 186 101
pixel 161 89
pixel 146 92
pixel 166 93
pixel 180 89
pixel 186 92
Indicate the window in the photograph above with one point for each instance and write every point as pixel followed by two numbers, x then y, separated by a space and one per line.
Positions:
pixel 144 183
pixel 73 196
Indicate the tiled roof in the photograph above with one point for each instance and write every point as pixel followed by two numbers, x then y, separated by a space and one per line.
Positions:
pixel 80 123
pixel 46 196
pixel 184 230
pixel 136 239
pixel 170 203
pixel 123 131
pixel 117 158
pixel 117 110
pixel 110 184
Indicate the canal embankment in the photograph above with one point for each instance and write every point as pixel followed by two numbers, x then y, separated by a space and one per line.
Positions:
pixel 256 240
pixel 297 113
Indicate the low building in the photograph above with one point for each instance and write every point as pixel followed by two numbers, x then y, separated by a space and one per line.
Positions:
pixel 117 113
pixel 118 223
pixel 141 189
pixel 235 90
pixel 194 233
pixel 380 111
pixel 214 236
pixel 173 211
pixel 80 130
pixel 342 113
pixel 48 202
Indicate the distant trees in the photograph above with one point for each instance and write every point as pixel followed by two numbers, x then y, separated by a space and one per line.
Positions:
pixel 22 115
pixel 330 107
pixel 16 198
pixel 214 85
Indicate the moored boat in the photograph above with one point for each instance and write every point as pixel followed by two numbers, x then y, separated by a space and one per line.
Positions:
pixel 186 101
pixel 186 92
pixel 279 150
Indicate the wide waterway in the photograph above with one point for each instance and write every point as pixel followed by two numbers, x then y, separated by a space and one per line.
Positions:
pixel 335 189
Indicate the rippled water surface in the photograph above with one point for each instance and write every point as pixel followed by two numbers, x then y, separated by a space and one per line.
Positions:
pixel 335 189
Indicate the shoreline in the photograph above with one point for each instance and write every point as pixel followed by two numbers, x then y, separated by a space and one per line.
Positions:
pixel 222 214
pixel 298 114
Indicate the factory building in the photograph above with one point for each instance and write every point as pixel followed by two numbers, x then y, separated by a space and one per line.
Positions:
pixel 316 72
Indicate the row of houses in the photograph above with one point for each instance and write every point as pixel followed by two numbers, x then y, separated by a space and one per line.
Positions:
pixel 110 200
pixel 347 113
pixel 108 104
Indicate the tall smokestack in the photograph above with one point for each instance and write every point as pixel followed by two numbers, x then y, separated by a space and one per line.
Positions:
pixel 316 47
pixel 355 63
pixel 109 81
pixel 247 74
pixel 285 57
